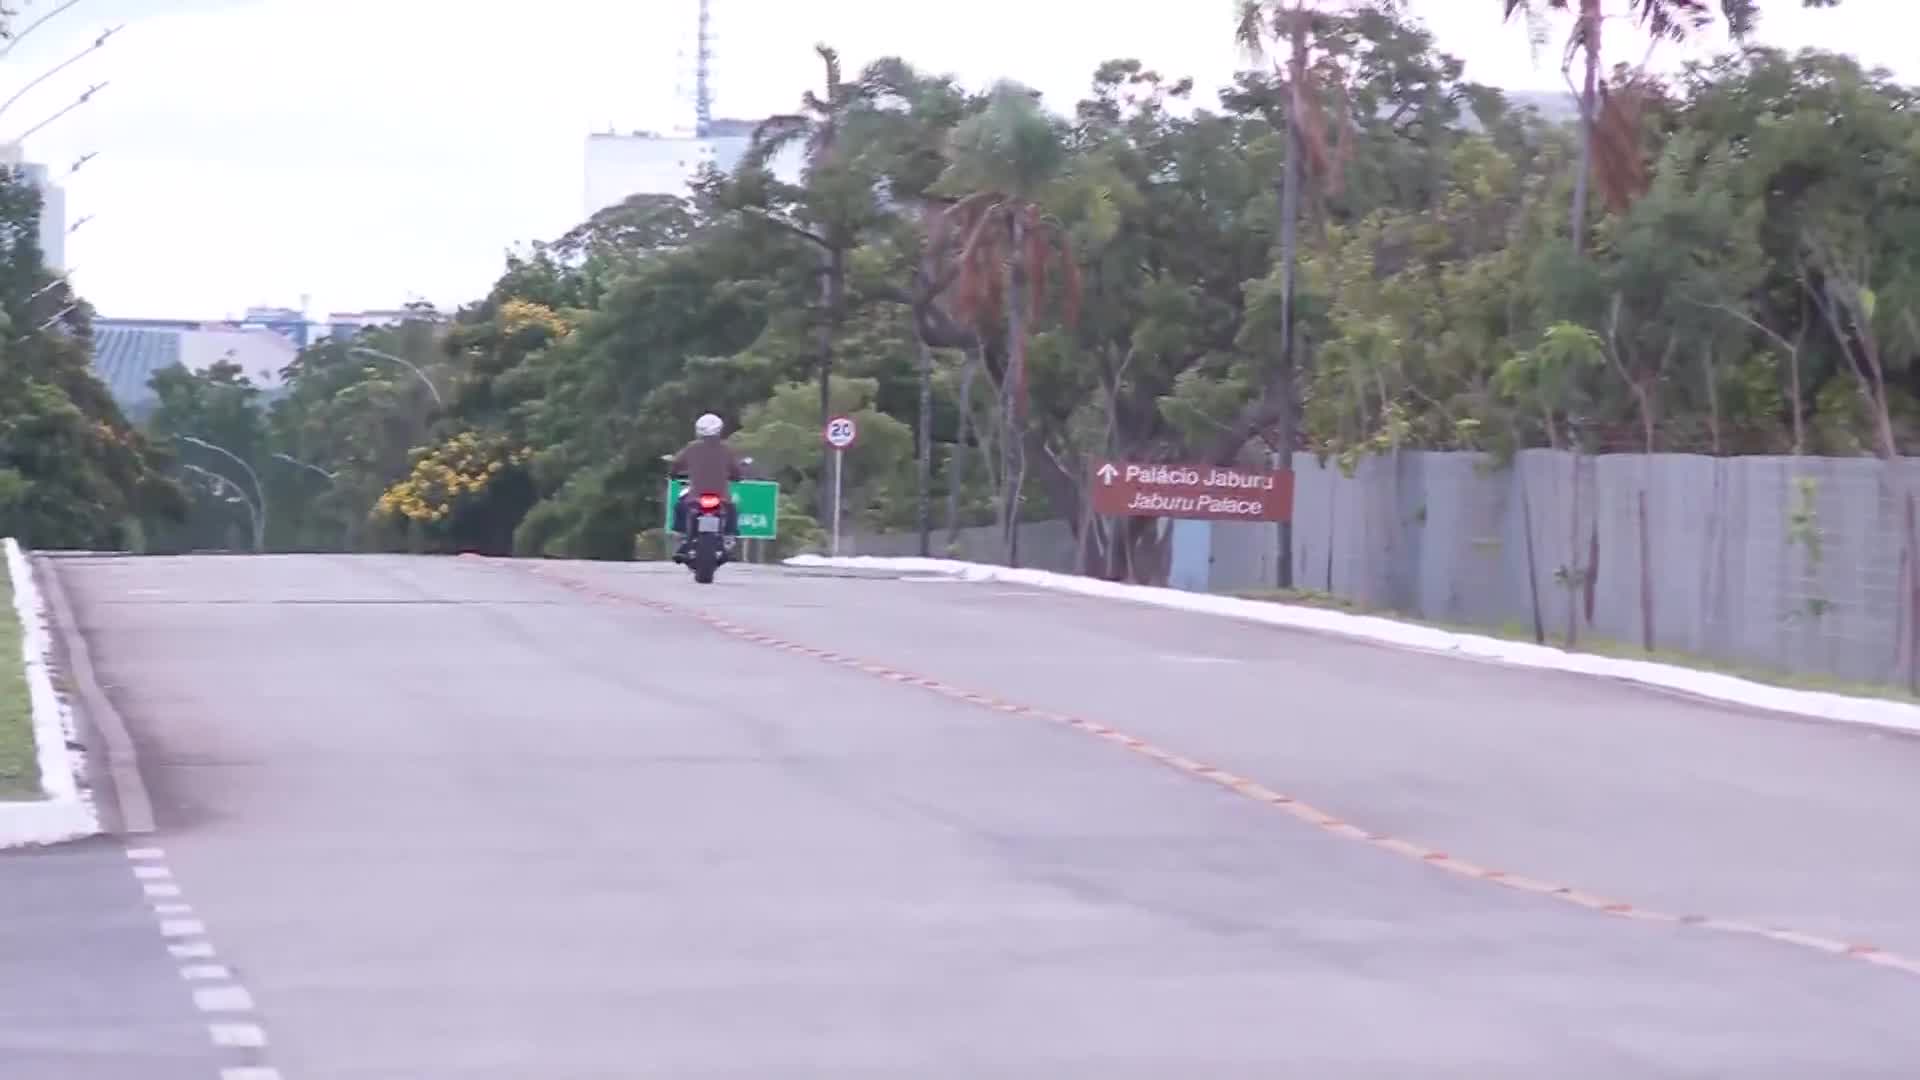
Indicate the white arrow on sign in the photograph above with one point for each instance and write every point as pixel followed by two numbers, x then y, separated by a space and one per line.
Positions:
pixel 1107 472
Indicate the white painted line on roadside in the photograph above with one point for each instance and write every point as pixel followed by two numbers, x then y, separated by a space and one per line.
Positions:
pixel 223 999
pixel 245 1035
pixel 129 800
pixel 1380 630
pixel 212 985
pixel 66 810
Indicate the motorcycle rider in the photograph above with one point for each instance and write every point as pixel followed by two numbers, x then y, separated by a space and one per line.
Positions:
pixel 709 465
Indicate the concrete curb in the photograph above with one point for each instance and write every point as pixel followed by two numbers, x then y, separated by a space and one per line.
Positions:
pixel 1840 708
pixel 67 811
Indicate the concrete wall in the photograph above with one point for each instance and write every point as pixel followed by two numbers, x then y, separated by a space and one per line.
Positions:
pixel 1793 564
pixel 1789 563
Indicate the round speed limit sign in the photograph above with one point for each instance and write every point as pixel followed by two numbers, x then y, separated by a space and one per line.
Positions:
pixel 841 431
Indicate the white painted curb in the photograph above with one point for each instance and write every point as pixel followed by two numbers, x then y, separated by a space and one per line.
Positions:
pixel 1706 684
pixel 67 812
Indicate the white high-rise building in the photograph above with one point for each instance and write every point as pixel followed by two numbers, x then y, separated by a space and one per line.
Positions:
pixel 619 166
pixel 53 207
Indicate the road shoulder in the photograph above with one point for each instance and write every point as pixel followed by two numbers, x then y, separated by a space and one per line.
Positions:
pixel 1704 685
pixel 58 807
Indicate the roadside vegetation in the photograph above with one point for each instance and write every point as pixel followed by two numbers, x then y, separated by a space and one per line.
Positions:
pixel 1357 250
pixel 19 771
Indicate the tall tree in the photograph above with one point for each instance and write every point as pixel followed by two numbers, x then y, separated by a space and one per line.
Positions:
pixel 1263 28
pixel 1674 20
pixel 830 208
pixel 73 471
pixel 1005 162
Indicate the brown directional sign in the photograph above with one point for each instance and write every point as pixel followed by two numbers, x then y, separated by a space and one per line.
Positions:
pixel 1208 492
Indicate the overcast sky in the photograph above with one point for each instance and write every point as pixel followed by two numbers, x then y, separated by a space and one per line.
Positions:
pixel 367 152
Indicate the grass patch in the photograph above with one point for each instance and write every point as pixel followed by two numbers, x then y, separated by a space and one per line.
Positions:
pixel 19 771
pixel 1599 646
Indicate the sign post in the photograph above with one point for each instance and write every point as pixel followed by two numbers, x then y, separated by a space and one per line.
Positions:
pixel 840 433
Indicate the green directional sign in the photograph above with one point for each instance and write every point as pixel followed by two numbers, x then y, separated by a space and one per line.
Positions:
pixel 758 500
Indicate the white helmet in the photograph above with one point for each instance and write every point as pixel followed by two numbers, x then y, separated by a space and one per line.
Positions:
pixel 707 426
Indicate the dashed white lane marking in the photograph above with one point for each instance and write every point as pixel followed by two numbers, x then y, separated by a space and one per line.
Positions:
pixel 1306 812
pixel 212 986
pixel 249 1035
pixel 223 999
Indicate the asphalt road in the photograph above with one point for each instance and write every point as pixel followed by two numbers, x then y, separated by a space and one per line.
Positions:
pixel 453 819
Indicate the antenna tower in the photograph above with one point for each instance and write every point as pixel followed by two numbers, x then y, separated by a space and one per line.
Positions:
pixel 703 71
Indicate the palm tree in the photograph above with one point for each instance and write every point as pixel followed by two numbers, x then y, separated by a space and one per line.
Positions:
pixel 1003 163
pixel 904 121
pixel 1262 25
pixel 823 216
pixel 1670 20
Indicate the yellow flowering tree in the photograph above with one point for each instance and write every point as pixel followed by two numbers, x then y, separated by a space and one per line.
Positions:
pixel 463 494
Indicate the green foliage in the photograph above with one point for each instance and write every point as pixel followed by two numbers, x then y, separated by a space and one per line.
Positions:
pixel 73 471
pixel 783 437
pixel 1108 281
pixel 19 767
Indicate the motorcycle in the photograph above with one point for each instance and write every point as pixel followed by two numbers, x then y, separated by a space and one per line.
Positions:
pixel 708 544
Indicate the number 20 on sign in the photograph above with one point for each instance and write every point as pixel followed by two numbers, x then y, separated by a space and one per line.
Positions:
pixel 841 431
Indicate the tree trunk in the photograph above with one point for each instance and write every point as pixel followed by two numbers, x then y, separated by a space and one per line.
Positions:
pixel 1589 95
pixel 832 287
pixel 1533 565
pixel 1646 527
pixel 1713 400
pixel 1288 376
pixel 1015 384
pixel 926 445
pixel 957 469
pixel 1576 573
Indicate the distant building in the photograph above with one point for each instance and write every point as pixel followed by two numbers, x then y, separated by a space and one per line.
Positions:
pixel 127 353
pixel 286 322
pixel 53 207
pixel 345 324
pixel 642 163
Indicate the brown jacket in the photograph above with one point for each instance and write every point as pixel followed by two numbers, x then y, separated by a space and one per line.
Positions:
pixel 708 465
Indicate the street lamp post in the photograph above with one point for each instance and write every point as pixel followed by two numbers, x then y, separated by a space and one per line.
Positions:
pixel 62 66
pixel 260 492
pixel 34 25
pixel 309 466
pixel 220 484
pixel 332 477
pixel 408 364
